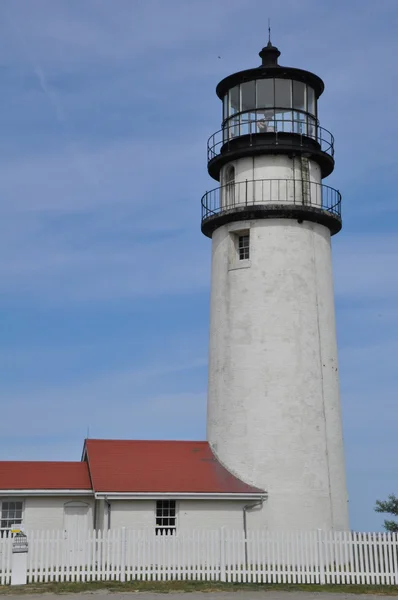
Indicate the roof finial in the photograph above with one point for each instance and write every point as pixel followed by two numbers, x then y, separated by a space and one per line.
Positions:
pixel 269 53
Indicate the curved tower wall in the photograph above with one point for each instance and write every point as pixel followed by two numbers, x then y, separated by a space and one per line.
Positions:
pixel 277 166
pixel 273 402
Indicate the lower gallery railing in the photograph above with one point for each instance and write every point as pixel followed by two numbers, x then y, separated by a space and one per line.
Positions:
pixel 208 555
pixel 237 195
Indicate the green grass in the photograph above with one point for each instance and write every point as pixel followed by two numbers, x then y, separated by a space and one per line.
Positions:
pixel 191 586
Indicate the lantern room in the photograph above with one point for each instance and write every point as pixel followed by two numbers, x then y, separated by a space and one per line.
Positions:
pixel 273 104
pixel 272 109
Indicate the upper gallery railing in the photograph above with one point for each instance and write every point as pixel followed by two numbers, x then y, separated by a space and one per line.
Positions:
pixel 299 124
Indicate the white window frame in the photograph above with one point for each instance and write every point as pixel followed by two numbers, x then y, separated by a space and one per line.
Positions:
pixel 244 248
pixel 15 521
pixel 234 261
pixel 230 185
pixel 169 529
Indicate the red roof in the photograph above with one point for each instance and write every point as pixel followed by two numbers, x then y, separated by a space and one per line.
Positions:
pixel 24 475
pixel 133 466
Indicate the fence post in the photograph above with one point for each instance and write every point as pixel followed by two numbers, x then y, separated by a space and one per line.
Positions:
pixel 19 559
pixel 321 558
pixel 395 554
pixel 123 556
pixel 223 573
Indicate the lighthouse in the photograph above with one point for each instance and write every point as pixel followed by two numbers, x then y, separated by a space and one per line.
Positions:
pixel 273 414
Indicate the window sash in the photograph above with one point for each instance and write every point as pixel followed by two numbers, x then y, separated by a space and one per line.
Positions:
pixel 166 517
pixel 11 513
pixel 244 247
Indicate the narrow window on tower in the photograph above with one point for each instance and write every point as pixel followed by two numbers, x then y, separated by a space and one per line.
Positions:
pixel 230 186
pixel 239 248
pixel 244 246
pixel 166 520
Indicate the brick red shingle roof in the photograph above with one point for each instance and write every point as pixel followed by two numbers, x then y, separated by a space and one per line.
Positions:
pixel 129 466
pixel 133 466
pixel 29 475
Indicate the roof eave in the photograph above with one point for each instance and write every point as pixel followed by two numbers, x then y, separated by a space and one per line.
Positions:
pixel 273 71
pixel 180 495
pixel 46 492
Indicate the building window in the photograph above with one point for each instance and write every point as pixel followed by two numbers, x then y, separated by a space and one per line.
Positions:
pixel 244 246
pixel 11 513
pixel 165 517
pixel 230 186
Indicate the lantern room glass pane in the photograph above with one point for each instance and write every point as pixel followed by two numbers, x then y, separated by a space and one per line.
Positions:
pixel 299 95
pixel 234 100
pixel 283 93
pixel 284 120
pixel 265 93
pixel 232 128
pixel 300 123
pixel 311 101
pixel 248 96
pixel 311 127
pixel 225 108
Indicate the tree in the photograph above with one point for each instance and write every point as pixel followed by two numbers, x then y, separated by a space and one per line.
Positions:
pixel 390 507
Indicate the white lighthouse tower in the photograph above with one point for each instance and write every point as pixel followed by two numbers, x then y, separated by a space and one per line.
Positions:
pixel 274 416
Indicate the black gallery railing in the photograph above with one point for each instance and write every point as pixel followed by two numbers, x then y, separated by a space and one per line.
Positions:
pixel 248 193
pixel 273 127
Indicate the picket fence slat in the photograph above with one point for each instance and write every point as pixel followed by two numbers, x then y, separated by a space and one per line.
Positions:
pixel 316 557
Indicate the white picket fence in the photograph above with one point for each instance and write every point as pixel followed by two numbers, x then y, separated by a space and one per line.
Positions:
pixel 220 555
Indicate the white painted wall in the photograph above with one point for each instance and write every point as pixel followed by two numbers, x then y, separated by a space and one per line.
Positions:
pixel 100 514
pixel 41 512
pixel 136 514
pixel 276 166
pixel 47 513
pixel 273 404
pixel 191 514
pixel 210 514
pixel 271 179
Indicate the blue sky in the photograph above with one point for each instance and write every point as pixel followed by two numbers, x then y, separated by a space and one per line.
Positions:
pixel 105 109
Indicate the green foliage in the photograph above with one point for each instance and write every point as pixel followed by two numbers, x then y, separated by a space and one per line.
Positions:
pixel 390 507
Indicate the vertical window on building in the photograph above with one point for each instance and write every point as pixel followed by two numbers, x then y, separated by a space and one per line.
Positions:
pixel 234 100
pixel 229 195
pixel 248 106
pixel 299 101
pixel 232 126
pixel 311 102
pixel 283 103
pixel 11 513
pixel 225 108
pixel 283 93
pixel 166 520
pixel 299 104
pixel 265 93
pixel 244 246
